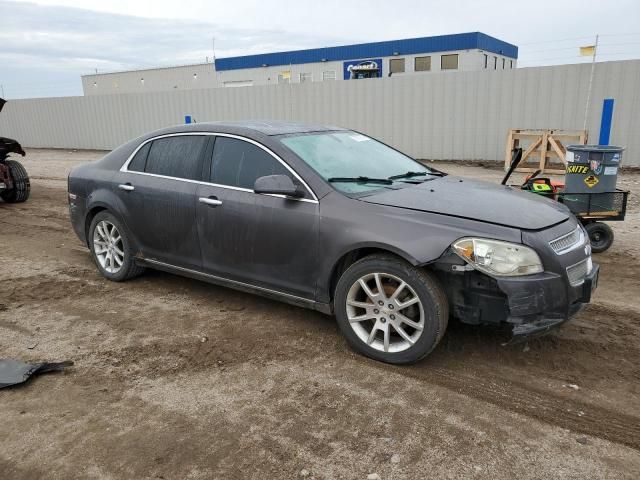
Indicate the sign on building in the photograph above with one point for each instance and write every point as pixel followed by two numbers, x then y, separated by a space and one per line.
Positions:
pixel 366 68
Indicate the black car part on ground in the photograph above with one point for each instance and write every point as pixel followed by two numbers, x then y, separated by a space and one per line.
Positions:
pixel 14 372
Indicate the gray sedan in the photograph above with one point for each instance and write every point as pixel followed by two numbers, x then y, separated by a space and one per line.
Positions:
pixel 333 220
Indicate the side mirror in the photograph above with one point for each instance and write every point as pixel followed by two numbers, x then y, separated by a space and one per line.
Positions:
pixel 279 185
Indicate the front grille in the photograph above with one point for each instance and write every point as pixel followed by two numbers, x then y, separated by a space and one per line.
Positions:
pixel 578 271
pixel 568 242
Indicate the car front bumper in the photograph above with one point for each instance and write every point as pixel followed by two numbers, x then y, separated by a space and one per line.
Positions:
pixel 539 303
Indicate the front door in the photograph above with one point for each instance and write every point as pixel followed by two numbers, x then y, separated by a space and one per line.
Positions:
pixel 263 240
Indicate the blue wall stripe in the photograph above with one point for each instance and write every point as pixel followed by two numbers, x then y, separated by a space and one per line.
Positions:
pixel 411 46
pixel 605 121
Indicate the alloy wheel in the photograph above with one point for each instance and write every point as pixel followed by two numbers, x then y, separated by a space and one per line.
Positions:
pixel 385 312
pixel 108 246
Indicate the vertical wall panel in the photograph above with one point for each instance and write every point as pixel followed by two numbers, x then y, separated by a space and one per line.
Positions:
pixel 452 116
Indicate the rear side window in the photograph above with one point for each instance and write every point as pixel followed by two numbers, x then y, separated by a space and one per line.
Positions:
pixel 238 163
pixel 139 161
pixel 179 157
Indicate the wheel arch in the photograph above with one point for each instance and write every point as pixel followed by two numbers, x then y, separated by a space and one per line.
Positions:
pixel 91 214
pixel 97 206
pixel 351 256
pixel 105 199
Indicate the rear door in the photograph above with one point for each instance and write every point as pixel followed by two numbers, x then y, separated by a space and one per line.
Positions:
pixel 263 240
pixel 158 192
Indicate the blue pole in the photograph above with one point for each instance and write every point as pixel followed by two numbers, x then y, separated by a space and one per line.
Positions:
pixel 605 122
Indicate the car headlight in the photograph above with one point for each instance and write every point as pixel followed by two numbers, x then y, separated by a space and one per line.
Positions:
pixel 498 258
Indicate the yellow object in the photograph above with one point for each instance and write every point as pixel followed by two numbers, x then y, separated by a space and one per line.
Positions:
pixel 286 74
pixel 577 169
pixel 588 51
pixel 541 187
pixel 465 249
pixel 591 181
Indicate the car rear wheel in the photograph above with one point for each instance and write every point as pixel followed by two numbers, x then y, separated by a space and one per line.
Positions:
pixel 389 310
pixel 111 248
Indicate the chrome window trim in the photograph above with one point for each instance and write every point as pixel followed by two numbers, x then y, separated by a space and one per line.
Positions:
pixel 579 243
pixel 125 166
pixel 224 279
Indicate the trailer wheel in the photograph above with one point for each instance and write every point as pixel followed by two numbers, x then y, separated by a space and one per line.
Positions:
pixel 21 186
pixel 601 236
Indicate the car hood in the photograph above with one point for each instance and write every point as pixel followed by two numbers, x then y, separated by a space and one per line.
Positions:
pixel 486 202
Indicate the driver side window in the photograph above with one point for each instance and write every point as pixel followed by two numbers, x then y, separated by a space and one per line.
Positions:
pixel 237 163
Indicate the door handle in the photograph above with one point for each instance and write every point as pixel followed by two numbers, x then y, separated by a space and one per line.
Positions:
pixel 126 187
pixel 211 201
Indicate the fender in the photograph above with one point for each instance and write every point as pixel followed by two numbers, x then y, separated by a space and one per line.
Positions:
pixel 378 246
pixel 418 237
pixel 108 199
pixel 328 268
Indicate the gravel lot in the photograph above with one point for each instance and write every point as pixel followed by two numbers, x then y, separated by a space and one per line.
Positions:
pixel 178 379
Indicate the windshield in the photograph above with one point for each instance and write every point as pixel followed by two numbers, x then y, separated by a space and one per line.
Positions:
pixel 355 163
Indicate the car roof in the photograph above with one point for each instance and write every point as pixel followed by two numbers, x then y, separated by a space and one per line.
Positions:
pixel 265 127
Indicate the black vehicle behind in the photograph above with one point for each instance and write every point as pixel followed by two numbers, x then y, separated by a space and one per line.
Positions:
pixel 14 180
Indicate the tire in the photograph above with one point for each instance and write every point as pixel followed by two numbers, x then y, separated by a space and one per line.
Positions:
pixel 601 236
pixel 21 185
pixel 105 227
pixel 353 303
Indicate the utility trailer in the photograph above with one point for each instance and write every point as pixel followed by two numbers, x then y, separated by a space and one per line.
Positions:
pixel 14 180
pixel 590 208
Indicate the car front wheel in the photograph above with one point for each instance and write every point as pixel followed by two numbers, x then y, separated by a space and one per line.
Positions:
pixel 389 310
pixel 111 248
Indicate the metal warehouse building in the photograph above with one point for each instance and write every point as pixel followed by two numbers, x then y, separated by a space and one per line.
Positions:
pixel 415 56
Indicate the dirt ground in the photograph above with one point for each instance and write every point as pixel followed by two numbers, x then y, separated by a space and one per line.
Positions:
pixel 178 379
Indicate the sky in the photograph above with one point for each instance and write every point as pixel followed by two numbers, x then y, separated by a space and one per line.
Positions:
pixel 46 45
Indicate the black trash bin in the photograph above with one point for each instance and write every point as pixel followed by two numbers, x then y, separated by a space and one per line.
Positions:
pixel 591 169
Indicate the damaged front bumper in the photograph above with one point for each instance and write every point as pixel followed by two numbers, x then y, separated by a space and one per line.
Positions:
pixel 539 303
pixel 531 305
